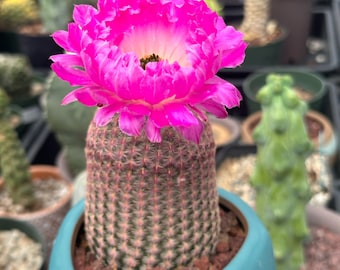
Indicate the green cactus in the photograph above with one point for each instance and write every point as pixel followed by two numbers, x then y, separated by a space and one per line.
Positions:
pixel 69 123
pixel 150 204
pixel 13 162
pixel 280 177
pixel 16 13
pixel 16 75
pixel 55 15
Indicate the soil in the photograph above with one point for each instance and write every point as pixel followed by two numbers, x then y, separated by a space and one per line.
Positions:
pixel 322 251
pixel 47 192
pixel 231 232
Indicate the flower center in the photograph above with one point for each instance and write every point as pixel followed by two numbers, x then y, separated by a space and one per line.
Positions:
pixel 151 58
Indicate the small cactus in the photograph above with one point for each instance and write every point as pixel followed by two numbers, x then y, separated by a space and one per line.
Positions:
pixel 16 13
pixel 16 75
pixel 14 165
pixel 280 177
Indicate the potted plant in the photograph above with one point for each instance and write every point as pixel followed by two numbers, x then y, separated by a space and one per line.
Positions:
pixel 280 173
pixel 14 14
pixel 23 87
pixel 150 150
pixel 36 194
pixel 22 241
pixel 310 86
pixel 34 38
pixel 265 37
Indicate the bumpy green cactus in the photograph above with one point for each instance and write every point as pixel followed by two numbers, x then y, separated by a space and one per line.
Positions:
pixel 15 13
pixel 280 177
pixel 150 204
pixel 16 75
pixel 13 162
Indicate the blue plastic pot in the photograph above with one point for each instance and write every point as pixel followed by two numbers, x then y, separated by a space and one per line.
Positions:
pixel 256 253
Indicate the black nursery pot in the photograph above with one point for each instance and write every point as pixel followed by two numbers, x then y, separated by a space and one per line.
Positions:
pixel 38 49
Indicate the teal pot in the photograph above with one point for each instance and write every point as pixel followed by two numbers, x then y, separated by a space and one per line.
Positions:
pixel 9 42
pixel 7 224
pixel 313 84
pixel 256 252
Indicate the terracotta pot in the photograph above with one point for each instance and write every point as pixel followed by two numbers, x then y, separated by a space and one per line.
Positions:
pixel 257 237
pixel 46 220
pixel 326 143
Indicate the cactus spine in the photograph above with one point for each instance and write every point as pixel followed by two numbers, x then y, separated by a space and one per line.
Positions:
pixel 13 163
pixel 150 204
pixel 280 177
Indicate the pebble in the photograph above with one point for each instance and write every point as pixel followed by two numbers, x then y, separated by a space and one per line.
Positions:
pixel 19 252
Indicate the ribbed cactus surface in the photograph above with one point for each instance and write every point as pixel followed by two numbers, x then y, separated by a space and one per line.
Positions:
pixel 150 204
pixel 13 163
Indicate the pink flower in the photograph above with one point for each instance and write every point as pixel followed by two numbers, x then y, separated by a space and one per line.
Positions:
pixel 154 62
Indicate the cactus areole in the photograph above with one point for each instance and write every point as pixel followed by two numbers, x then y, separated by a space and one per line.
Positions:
pixel 150 68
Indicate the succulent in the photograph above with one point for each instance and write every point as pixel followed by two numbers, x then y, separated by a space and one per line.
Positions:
pixel 256 24
pixel 14 165
pixel 150 204
pixel 280 177
pixel 55 15
pixel 15 13
pixel 16 75
pixel 69 125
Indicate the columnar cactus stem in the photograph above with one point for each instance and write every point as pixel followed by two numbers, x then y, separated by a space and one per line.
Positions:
pixel 13 163
pixel 256 18
pixel 150 204
pixel 280 177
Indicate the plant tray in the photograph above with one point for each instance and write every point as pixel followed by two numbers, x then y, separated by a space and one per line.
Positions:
pixel 322 49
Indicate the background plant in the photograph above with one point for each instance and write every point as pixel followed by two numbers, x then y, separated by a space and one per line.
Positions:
pixel 280 176
pixel 257 25
pixel 14 165
pixel 16 13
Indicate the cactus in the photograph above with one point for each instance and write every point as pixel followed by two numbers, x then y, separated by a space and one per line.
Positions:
pixel 69 125
pixel 15 13
pixel 16 75
pixel 13 162
pixel 256 24
pixel 55 15
pixel 150 204
pixel 280 177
